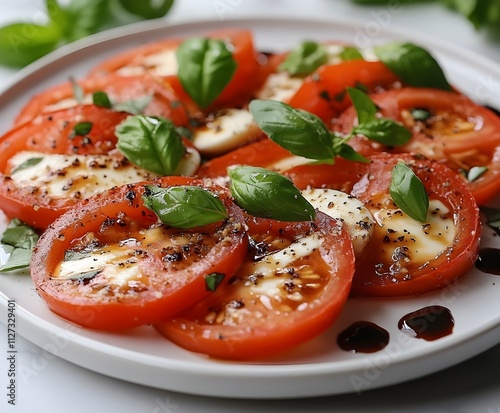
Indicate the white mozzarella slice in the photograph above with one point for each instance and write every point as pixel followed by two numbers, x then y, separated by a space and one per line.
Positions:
pixel 279 86
pixel 68 103
pixel 399 235
pixel 358 221
pixel 189 163
pixel 163 63
pixel 227 130
pixel 74 176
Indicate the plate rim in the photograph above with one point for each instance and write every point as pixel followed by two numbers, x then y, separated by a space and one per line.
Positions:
pixel 145 28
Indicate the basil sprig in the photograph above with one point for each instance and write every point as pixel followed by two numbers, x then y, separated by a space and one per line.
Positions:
pixel 184 206
pixel 268 194
pixel 206 66
pixel 18 240
pixel 413 64
pixel 213 280
pixel 150 142
pixel 408 192
pixel 305 134
pixel 305 59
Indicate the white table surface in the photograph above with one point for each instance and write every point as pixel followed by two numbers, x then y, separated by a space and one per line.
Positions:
pixel 49 384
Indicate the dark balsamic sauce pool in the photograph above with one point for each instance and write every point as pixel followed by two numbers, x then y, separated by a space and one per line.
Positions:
pixel 489 260
pixel 428 323
pixel 363 337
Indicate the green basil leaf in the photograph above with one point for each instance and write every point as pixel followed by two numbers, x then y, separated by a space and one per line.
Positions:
pixel 87 17
pixel 475 172
pixel 420 114
pixel 184 206
pixel 350 53
pixel 305 59
pixel 492 217
pixel 23 43
pixel 26 164
pixel 364 106
pixel 298 131
pixel 134 106
pixel 348 152
pixel 147 9
pixel 58 16
pixel 19 240
pixel 408 192
pixel 206 66
pixel 268 194
pixel 413 64
pixel 385 131
pixel 81 129
pixel 102 99
pixel 213 280
pixel 151 143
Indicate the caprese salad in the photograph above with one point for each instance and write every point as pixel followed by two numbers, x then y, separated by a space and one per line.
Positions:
pixel 235 199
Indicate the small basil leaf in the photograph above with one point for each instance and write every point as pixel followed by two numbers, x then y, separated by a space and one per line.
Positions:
pixel 26 164
pixel 348 152
pixel 298 131
pixel 134 106
pixel 385 131
pixel 305 59
pixel 492 217
pixel 101 99
pixel 420 114
pixel 350 53
pixel 475 172
pixel 206 66
pixel 364 106
pixel 81 129
pixel 147 9
pixel 23 43
pixel 184 206
pixel 408 192
pixel 413 64
pixel 212 281
pixel 268 194
pixel 151 143
pixel 18 240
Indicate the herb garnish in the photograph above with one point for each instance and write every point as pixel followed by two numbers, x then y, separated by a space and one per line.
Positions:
pixel 408 192
pixel 206 66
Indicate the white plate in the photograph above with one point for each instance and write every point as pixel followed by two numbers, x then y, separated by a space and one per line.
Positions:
pixel 319 367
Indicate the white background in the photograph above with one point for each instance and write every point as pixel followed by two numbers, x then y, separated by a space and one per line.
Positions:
pixel 49 384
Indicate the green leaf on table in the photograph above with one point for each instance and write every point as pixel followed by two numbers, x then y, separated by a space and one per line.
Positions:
pixel 87 17
pixel 23 43
pixel 147 9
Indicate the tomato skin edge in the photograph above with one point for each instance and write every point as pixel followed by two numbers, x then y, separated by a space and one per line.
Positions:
pixel 282 334
pixel 124 314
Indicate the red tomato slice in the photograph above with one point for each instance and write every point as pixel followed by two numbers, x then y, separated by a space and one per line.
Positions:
pixel 408 257
pixel 248 75
pixel 164 102
pixel 134 58
pixel 150 271
pixel 324 92
pixel 458 132
pixel 52 134
pixel 262 312
pixel 341 175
